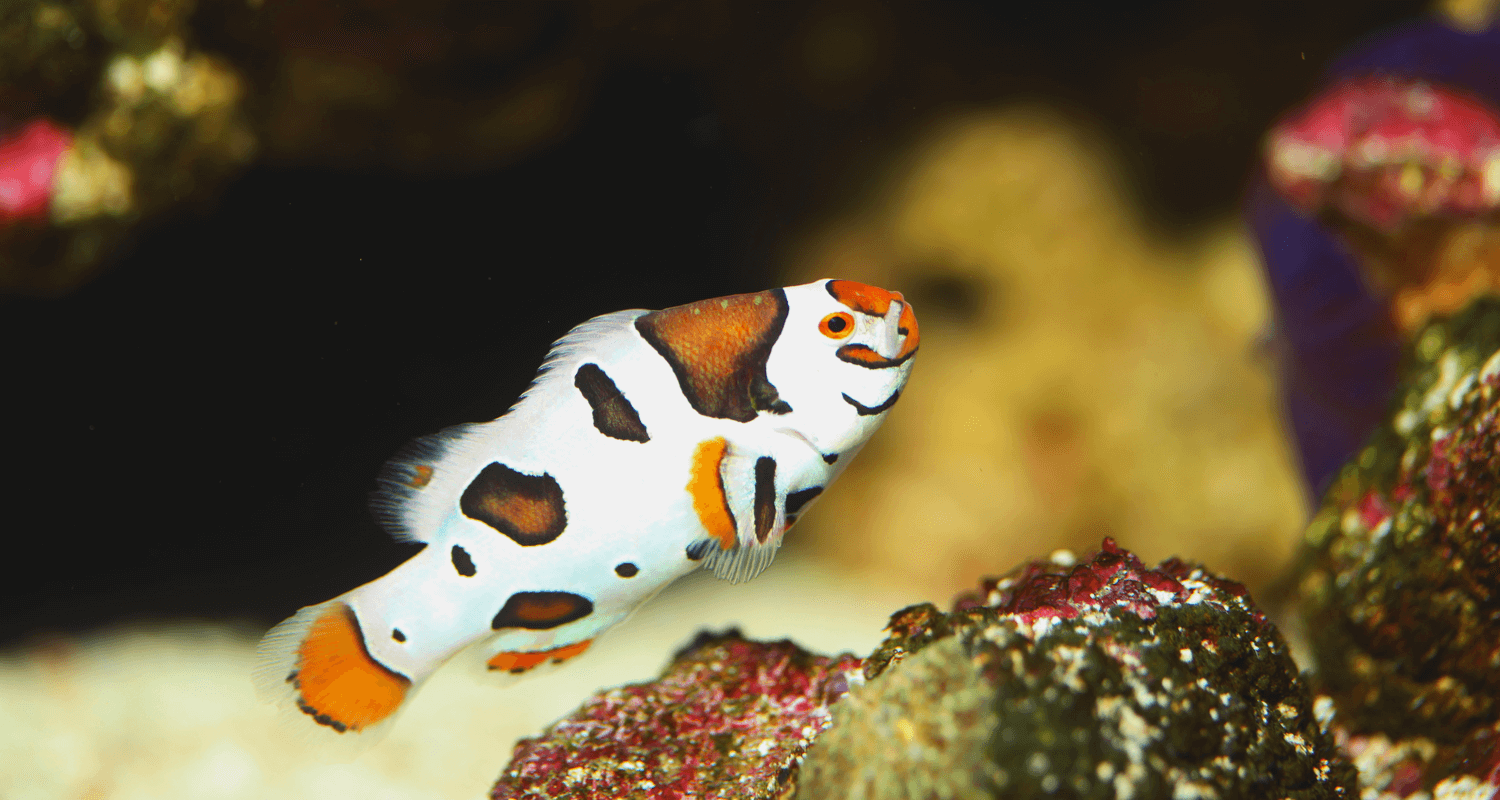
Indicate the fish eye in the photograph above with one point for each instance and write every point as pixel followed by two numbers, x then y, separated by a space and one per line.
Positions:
pixel 837 325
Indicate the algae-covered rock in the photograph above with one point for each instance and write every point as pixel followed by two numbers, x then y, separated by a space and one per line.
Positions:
pixel 729 719
pixel 1398 581
pixel 1100 679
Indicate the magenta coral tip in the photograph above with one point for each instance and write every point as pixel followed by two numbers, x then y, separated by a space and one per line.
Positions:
pixel 1383 151
pixel 28 160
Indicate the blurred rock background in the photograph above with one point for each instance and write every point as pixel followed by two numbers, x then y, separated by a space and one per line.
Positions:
pixel 248 248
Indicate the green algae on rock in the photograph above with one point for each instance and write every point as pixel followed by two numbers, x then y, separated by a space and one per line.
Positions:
pixel 1398 579
pixel 1096 679
pixel 730 718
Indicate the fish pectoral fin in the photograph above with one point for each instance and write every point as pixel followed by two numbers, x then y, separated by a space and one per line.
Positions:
pixel 749 478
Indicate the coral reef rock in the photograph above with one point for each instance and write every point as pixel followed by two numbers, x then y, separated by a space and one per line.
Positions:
pixel 1093 678
pixel 729 719
pixel 1399 575
pixel 1097 679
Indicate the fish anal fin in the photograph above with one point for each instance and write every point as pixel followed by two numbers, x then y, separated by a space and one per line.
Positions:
pixel 517 662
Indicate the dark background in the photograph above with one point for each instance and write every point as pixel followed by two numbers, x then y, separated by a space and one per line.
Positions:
pixel 194 433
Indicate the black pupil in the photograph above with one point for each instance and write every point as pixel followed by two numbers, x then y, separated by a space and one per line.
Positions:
pixel 837 324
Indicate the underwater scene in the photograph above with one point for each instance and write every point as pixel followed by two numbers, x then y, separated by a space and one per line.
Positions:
pixel 662 400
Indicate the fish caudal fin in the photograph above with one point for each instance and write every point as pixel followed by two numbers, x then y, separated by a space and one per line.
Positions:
pixel 316 666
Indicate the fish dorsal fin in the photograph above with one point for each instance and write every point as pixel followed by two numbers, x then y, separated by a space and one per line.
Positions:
pixel 416 487
pixel 407 500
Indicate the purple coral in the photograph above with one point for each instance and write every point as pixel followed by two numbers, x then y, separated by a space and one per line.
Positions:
pixel 1398 137
pixel 729 719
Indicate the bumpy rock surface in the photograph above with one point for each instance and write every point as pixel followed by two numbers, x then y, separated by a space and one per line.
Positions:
pixel 729 719
pixel 1399 578
pixel 1100 679
pixel 1097 679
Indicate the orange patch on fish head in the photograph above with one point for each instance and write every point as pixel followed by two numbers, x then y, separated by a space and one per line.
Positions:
pixel 337 680
pixel 862 297
pixel 876 301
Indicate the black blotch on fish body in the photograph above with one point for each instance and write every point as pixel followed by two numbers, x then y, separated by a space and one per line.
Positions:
pixel 539 611
pixel 798 500
pixel 697 550
pixel 462 562
pixel 614 416
pixel 626 570
pixel 870 411
pixel 527 508
pixel 398 635
pixel 764 397
pixel 765 497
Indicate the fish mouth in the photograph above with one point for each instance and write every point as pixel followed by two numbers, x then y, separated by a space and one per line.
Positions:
pixel 863 356
pixel 870 411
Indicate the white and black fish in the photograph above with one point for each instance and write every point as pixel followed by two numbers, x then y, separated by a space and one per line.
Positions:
pixel 652 443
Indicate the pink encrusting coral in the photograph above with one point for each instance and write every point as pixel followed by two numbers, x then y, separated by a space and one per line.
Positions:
pixel 28 161
pixel 730 718
pixel 1112 578
pixel 1383 151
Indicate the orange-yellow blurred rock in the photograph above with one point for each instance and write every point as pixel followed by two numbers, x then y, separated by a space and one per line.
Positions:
pixel 1079 376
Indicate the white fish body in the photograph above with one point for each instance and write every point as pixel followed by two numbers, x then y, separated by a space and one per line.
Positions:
pixel 651 444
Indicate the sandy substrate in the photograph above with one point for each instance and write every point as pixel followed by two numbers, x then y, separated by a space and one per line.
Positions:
pixel 168 711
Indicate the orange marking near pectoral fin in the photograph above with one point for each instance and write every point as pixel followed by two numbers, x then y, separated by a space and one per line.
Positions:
pixel 706 485
pixel 338 683
pixel 861 297
pixel 517 662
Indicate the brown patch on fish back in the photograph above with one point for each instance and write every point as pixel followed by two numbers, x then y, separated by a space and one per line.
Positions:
pixel 718 350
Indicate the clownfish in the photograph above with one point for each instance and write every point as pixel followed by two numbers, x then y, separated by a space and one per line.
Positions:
pixel 650 444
